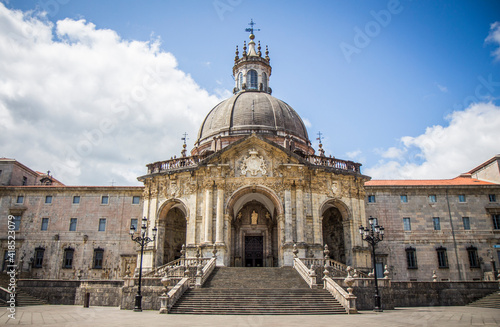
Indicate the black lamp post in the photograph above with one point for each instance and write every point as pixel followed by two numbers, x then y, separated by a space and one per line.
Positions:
pixel 373 235
pixel 142 240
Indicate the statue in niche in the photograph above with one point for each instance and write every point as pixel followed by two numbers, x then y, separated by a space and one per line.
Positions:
pixel 239 215
pixel 268 216
pixel 255 217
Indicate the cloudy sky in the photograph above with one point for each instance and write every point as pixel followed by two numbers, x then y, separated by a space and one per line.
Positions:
pixel 95 90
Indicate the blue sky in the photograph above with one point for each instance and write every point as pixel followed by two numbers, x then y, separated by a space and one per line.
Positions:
pixel 408 88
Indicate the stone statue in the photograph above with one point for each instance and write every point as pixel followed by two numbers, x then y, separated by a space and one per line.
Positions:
pixel 255 217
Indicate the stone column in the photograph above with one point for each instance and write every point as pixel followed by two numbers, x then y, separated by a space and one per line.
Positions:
pixel 207 219
pixel 299 213
pixel 288 215
pixel 219 232
pixel 317 239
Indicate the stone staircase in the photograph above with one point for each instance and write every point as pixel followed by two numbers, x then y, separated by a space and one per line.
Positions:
pixel 257 291
pixel 24 300
pixel 489 301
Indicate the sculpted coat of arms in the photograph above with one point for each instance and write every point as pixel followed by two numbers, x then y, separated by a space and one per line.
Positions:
pixel 253 164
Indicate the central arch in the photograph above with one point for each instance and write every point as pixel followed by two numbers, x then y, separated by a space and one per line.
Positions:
pixel 254 213
pixel 336 230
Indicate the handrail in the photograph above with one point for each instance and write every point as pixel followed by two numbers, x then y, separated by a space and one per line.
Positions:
pixel 348 301
pixel 205 273
pixel 308 275
pixel 175 294
pixel 174 268
pixel 334 265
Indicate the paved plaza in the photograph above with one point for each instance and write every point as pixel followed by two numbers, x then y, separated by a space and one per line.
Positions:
pixel 66 315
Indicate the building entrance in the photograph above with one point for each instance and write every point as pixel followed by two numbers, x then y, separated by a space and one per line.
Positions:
pixel 254 251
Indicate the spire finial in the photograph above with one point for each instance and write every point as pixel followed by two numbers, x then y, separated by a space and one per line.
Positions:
pixel 237 54
pixel 244 48
pixel 185 138
pixel 251 29
pixel 320 150
pixel 267 53
pixel 258 48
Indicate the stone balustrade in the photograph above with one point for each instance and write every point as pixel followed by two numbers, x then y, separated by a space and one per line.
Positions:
pixel 347 300
pixel 193 161
pixel 336 268
pixel 307 274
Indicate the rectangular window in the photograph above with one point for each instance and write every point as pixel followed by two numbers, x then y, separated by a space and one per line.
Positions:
pixel 25 180
pixel 72 224
pixel 102 224
pixel 45 223
pixel 39 252
pixel 473 258
pixel 492 198
pixel 496 221
pixel 404 198
pixel 133 222
pixel 48 199
pixel 20 199
pixel 136 199
pixel 406 224
pixel 411 258
pixel 371 198
pixel 76 199
pixel 437 223
pixel 9 258
pixel 17 222
pixel 466 222
pixel 68 258
pixel 104 199
pixel 98 256
pixel 442 257
pixel 461 198
pixel 432 199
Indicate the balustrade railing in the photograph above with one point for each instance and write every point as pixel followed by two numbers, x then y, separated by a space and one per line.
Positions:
pixel 307 274
pixel 177 268
pixel 335 268
pixel 346 299
pixel 189 162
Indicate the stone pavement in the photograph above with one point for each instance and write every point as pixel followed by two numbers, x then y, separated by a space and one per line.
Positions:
pixel 67 315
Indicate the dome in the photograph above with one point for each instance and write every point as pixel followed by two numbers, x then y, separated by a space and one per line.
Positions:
pixel 252 112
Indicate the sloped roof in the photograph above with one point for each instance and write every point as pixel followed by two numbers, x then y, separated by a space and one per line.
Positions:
pixel 462 180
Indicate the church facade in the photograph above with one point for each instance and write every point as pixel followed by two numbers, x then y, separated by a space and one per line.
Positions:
pixel 253 188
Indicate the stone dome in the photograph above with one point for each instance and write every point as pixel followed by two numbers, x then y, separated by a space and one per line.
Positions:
pixel 252 112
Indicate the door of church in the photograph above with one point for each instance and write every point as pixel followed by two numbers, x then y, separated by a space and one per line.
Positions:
pixel 254 251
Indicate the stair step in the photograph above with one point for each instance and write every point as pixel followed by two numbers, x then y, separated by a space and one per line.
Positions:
pixel 489 301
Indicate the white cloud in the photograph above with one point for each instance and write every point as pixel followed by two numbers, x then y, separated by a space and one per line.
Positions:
pixel 442 88
pixel 471 138
pixel 87 105
pixel 307 122
pixel 494 37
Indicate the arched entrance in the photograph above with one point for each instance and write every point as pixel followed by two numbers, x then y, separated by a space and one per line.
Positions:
pixel 171 232
pixel 254 228
pixel 336 234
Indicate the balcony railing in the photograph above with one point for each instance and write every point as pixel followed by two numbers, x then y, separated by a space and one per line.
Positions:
pixel 190 162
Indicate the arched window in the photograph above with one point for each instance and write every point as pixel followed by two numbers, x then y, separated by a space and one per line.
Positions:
pixel 252 79
pixel 264 81
pixel 240 80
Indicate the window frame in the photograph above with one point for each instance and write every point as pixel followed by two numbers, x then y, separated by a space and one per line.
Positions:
pixel 250 80
pixel 73 222
pixel 371 198
pixel 102 223
pixel 403 198
pixel 492 197
pixel 98 259
pixel 442 257
pixel 49 199
pixel 20 197
pixel 436 222
pixel 464 225
pixel 138 199
pixel 45 223
pixel 17 222
pixel 432 198
pixel 407 224
pixel 104 197
pixel 76 197
pixel 462 198
pixel 38 260
pixel 496 221
pixel 473 257
pixel 411 258
pixel 132 224
pixel 68 258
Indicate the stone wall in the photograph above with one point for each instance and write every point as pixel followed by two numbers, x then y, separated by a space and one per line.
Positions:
pixel 423 294
pixel 106 293
pixel 53 291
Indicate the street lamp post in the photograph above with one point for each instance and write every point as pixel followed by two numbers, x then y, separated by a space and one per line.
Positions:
pixel 373 235
pixel 142 240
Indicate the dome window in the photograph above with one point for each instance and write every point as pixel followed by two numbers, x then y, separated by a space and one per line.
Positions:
pixel 264 81
pixel 240 80
pixel 252 79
